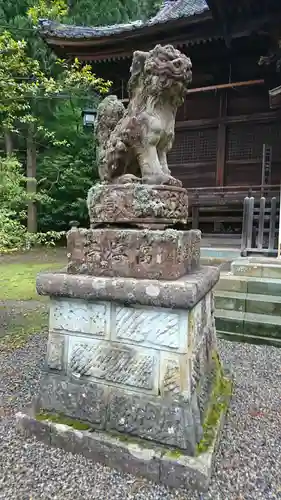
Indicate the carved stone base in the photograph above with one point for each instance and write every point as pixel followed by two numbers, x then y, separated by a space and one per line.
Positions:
pixel 135 359
pixel 121 362
pixel 134 456
pixel 139 205
pixel 166 254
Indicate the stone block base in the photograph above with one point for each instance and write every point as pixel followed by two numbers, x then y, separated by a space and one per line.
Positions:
pixel 132 253
pixel 138 457
pixel 134 358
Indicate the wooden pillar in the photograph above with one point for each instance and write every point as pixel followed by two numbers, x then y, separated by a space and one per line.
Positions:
pixel 31 179
pixel 221 143
pixel 221 146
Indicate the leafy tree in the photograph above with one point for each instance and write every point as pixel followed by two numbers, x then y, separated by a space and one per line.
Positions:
pixel 39 91
pixel 67 173
pixel 22 82
pixel 94 12
pixel 105 12
pixel 13 195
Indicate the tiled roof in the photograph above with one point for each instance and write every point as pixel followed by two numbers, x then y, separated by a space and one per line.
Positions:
pixel 180 8
pixel 170 11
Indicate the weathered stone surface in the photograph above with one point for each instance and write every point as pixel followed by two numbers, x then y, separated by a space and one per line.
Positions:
pixel 77 400
pixel 183 293
pixel 174 376
pixel 33 427
pixel 55 351
pixel 167 254
pixel 258 267
pixel 230 283
pixel 116 363
pixel 201 318
pixel 146 326
pixel 185 472
pixel 202 362
pixel 81 317
pixel 152 327
pixel 163 421
pixel 140 458
pixel 137 204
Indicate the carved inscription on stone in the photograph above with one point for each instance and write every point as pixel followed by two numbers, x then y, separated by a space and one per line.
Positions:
pixel 140 203
pixel 55 352
pixel 149 326
pixel 202 362
pixel 195 324
pixel 155 254
pixel 80 316
pixel 170 376
pixel 119 365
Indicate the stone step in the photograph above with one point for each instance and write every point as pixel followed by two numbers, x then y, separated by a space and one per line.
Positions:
pixel 248 324
pixel 248 302
pixel 219 253
pixel 243 284
pixel 257 267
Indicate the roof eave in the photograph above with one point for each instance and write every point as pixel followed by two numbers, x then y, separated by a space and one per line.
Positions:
pixel 136 33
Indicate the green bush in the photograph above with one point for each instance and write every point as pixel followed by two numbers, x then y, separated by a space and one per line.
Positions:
pixel 13 232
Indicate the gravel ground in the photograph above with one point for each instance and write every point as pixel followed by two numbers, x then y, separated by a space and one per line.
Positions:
pixel 248 465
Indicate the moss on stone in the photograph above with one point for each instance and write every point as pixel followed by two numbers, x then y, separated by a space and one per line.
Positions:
pixel 176 453
pixel 58 418
pixel 221 392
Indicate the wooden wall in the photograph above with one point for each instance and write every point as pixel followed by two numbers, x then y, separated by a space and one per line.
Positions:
pixel 220 136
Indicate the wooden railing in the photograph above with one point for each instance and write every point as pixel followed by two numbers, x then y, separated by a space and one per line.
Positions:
pixel 223 205
pixel 260 226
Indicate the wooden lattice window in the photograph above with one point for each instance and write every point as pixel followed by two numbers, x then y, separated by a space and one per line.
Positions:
pixel 193 146
pixel 245 142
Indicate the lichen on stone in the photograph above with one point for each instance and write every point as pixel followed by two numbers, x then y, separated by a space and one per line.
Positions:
pixel 219 397
pixel 144 202
pixel 94 194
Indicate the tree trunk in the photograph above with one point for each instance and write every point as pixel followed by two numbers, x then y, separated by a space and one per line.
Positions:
pixel 8 143
pixel 31 179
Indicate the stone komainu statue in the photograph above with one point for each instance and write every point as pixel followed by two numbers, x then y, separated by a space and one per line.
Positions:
pixel 133 143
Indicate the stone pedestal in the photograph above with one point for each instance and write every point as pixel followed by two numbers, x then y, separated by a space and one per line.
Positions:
pixel 131 366
pixel 137 205
pixel 153 254
pixel 132 374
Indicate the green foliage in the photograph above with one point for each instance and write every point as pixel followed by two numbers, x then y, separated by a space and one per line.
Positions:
pixel 39 89
pixel 105 12
pixel 13 233
pixel 67 173
pixel 12 183
pixel 22 81
pixel 52 9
